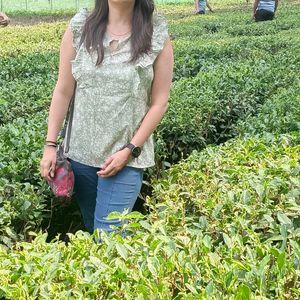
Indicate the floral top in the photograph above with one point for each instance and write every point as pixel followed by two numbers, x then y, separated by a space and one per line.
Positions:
pixel 112 99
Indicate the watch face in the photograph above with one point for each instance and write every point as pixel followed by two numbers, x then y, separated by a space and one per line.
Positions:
pixel 136 151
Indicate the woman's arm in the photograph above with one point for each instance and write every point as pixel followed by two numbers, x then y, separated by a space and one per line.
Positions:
pixel 209 7
pixel 64 88
pixel 276 4
pixel 62 95
pixel 163 73
pixel 197 5
pixel 256 2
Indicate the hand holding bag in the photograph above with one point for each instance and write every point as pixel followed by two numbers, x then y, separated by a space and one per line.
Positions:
pixel 62 184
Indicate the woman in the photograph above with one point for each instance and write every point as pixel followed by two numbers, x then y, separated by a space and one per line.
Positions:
pixel 264 10
pixel 201 5
pixel 4 19
pixel 122 61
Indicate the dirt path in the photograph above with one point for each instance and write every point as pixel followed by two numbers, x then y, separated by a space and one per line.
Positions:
pixel 32 20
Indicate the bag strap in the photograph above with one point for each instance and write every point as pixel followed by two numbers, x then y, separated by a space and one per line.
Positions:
pixel 66 132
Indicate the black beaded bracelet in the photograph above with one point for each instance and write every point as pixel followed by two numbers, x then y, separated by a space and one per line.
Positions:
pixel 50 145
pixel 52 142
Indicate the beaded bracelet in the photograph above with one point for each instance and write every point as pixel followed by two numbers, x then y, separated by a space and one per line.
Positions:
pixel 50 142
pixel 50 145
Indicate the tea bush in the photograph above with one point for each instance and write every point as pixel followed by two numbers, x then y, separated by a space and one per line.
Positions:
pixel 244 195
pixel 204 109
pixel 279 114
pixel 24 98
pixel 41 38
pixel 192 57
pixel 219 81
pixel 224 224
pixel 23 194
pixel 26 84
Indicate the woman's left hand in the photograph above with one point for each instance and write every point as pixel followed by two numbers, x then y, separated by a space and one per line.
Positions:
pixel 115 163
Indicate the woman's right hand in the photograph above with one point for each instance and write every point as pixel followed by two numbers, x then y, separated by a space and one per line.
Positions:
pixel 48 162
pixel 4 20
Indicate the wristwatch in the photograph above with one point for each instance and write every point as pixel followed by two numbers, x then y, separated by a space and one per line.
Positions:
pixel 135 150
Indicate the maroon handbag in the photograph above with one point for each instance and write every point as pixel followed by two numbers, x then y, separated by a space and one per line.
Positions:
pixel 62 184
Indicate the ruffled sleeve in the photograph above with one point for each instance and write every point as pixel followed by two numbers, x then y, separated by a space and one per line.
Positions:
pixel 160 33
pixel 76 24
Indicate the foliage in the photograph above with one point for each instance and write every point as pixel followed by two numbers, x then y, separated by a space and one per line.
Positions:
pixel 244 196
pixel 224 225
pixel 280 114
pixel 17 41
pixel 192 57
pixel 22 192
pixel 204 109
pixel 28 83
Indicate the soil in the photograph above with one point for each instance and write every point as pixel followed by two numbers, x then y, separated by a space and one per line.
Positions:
pixel 33 20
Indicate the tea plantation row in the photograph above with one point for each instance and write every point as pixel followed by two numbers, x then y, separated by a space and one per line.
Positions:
pixel 223 224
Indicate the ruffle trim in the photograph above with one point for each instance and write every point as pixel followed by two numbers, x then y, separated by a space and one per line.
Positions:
pixel 77 23
pixel 160 33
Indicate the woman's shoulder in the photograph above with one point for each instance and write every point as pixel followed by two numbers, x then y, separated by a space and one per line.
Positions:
pixel 76 24
pixel 159 21
pixel 80 18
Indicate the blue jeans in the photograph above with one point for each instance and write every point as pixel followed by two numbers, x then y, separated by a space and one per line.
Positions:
pixel 98 197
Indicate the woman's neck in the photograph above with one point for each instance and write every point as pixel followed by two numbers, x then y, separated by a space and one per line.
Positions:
pixel 120 15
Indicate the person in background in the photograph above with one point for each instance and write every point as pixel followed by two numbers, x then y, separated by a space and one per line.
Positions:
pixel 264 10
pixel 120 57
pixel 4 19
pixel 201 5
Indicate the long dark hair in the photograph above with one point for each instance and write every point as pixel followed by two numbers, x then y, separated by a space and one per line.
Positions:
pixel 141 33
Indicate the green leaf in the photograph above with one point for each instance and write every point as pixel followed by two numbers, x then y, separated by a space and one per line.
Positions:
pixel 228 279
pixel 214 259
pixel 152 263
pixel 146 225
pixel 26 205
pixel 134 215
pixel 191 288
pixel 243 293
pixel 264 262
pixel 283 219
pixel 281 261
pixel 210 288
pixel 227 240
pixel 114 216
pixel 296 291
pixel 122 251
pixel 207 241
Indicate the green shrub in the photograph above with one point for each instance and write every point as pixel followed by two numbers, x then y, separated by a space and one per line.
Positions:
pixel 191 57
pixel 279 114
pixel 22 210
pixel 244 195
pixel 42 65
pixel 26 85
pixel 224 224
pixel 24 98
pixel 31 39
pixel 23 194
pixel 204 109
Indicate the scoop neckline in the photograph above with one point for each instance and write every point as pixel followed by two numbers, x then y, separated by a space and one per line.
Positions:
pixel 108 39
